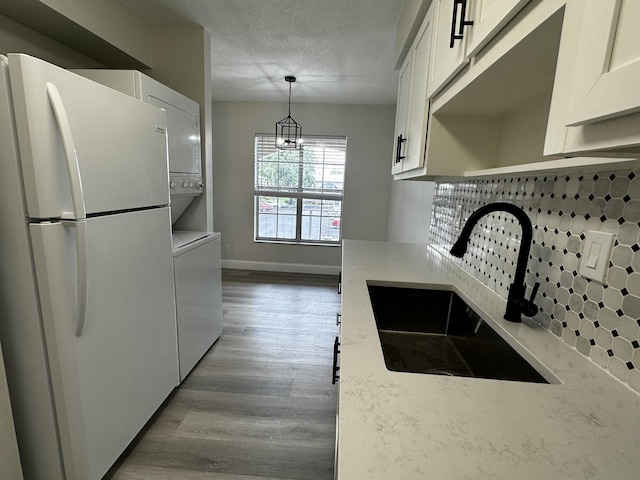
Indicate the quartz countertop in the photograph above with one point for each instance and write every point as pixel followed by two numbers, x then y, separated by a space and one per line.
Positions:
pixel 397 425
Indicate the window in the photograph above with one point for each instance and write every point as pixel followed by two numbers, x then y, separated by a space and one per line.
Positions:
pixel 298 193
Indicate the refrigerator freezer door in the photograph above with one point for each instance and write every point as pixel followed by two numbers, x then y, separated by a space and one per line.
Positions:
pixel 109 380
pixel 198 299
pixel 78 136
pixel 183 114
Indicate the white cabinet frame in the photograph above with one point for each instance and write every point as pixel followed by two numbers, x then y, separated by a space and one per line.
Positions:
pixel 601 90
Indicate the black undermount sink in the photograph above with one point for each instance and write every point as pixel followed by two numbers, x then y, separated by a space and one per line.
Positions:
pixel 435 332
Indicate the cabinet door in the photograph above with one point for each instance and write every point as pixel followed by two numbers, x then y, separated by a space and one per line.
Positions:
pixel 403 107
pixel 605 81
pixel 448 54
pixel 419 111
pixel 489 16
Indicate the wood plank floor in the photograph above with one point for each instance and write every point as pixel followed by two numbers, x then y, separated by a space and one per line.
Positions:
pixel 260 404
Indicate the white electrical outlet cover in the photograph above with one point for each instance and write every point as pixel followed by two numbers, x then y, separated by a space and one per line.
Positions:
pixel 596 253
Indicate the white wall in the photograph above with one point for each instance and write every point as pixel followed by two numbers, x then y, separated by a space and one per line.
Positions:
pixel 110 21
pixel 369 131
pixel 183 62
pixel 410 211
pixel 10 467
pixel 16 38
pixel 101 29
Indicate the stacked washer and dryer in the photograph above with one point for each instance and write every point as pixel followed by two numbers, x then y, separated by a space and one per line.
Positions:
pixel 196 253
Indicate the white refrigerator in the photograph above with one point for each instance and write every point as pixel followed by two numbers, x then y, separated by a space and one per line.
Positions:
pixel 86 289
pixel 196 253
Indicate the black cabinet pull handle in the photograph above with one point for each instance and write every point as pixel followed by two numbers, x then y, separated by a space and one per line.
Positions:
pixel 463 21
pixel 338 317
pixel 340 282
pixel 399 143
pixel 336 351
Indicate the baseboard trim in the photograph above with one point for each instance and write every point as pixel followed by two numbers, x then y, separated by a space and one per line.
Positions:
pixel 281 267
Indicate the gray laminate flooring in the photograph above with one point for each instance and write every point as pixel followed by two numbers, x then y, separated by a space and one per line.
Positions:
pixel 260 404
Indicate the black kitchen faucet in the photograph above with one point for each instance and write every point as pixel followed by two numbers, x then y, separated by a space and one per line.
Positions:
pixel 516 303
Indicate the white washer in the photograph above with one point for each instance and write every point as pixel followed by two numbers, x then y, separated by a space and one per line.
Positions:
pixel 198 289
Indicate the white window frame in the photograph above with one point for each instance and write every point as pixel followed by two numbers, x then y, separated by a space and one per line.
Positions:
pixel 328 194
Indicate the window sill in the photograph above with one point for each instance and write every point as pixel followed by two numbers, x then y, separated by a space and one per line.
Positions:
pixel 304 244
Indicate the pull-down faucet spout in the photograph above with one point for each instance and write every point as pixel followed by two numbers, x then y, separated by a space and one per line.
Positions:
pixel 517 305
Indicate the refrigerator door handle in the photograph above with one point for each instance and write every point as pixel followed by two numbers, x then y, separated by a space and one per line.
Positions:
pixel 82 276
pixel 69 147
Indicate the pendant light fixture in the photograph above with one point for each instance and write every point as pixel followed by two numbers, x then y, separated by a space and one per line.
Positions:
pixel 288 131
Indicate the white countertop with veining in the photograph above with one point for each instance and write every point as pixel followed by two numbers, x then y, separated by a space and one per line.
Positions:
pixel 395 425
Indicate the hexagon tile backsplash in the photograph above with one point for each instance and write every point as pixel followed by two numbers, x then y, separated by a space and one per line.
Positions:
pixel 601 321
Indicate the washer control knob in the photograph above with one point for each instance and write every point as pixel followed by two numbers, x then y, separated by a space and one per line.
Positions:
pixel 172 184
pixel 185 184
pixel 198 185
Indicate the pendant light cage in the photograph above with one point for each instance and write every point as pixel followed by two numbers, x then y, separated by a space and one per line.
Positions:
pixel 288 131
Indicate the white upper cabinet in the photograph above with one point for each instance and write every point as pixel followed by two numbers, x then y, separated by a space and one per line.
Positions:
pixel 607 71
pixel 596 100
pixel 452 22
pixel 402 115
pixel 419 111
pixel 413 108
pixel 534 85
pixel 489 16
pixel 462 28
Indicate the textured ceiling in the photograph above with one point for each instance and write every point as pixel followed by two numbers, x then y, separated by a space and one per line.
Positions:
pixel 341 51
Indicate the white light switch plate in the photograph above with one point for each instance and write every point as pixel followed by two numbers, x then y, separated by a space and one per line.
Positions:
pixel 596 253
